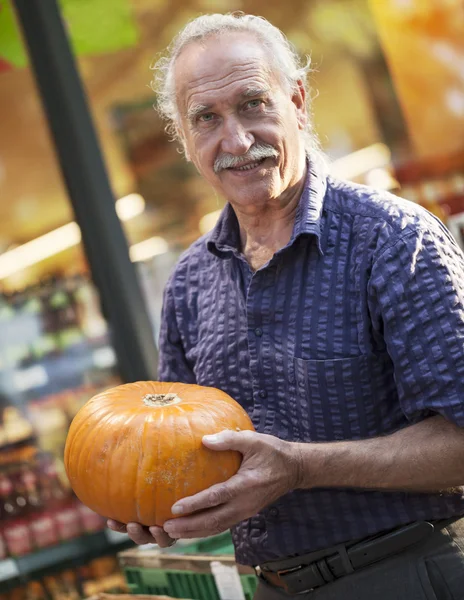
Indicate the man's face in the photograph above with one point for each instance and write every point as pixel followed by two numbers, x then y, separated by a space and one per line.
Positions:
pixel 234 108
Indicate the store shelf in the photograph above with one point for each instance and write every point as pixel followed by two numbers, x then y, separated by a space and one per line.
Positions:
pixel 8 447
pixel 66 555
pixel 65 370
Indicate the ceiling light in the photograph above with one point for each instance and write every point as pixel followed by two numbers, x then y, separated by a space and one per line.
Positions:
pixel 208 221
pixel 381 179
pixel 130 206
pixel 39 249
pixel 60 239
pixel 148 248
pixel 360 162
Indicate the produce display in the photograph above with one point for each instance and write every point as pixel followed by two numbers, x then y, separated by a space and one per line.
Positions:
pixel 37 507
pixel 55 354
pixel 134 450
pixel 73 584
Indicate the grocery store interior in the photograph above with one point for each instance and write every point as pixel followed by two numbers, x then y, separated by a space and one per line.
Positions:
pixel 388 106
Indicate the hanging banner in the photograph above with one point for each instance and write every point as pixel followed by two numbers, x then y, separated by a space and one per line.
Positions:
pixel 94 26
pixel 423 41
pixel 12 52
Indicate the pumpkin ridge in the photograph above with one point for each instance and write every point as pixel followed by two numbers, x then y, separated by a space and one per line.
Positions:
pixel 78 423
pixel 158 486
pixel 219 414
pixel 81 437
pixel 109 470
pixel 123 447
pixel 140 472
pixel 88 444
pixel 196 437
pixel 82 423
pixel 177 475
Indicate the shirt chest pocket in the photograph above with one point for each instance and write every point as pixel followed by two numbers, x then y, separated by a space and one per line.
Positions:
pixel 346 398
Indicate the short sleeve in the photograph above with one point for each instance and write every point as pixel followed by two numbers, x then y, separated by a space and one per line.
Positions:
pixel 173 364
pixel 418 290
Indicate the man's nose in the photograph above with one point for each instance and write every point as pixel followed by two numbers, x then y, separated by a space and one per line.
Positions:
pixel 236 140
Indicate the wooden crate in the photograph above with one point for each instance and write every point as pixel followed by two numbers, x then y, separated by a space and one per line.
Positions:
pixel 103 596
pixel 152 559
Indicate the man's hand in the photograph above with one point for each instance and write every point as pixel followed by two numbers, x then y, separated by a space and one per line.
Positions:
pixel 270 469
pixel 143 535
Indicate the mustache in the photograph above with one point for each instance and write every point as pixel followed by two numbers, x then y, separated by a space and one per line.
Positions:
pixel 258 151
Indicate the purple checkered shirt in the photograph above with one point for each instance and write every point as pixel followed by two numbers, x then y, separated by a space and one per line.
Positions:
pixel 354 329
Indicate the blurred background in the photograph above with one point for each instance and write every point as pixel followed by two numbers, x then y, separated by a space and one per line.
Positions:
pixel 388 89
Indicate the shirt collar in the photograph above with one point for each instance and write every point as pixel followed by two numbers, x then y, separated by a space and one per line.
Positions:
pixel 224 239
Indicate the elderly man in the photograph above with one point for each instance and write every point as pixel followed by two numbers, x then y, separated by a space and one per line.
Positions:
pixel 334 314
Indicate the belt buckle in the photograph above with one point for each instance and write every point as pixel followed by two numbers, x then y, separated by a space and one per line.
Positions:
pixel 261 573
pixel 293 570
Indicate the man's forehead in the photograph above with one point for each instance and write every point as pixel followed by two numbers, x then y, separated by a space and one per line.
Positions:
pixel 218 62
pixel 224 47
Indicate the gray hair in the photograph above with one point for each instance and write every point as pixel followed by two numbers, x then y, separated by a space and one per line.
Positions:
pixel 280 49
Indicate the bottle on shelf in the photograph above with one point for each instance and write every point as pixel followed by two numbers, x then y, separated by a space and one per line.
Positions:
pixel 42 345
pixel 54 587
pixel 3 551
pixel 14 523
pixel 12 346
pixel 41 524
pixel 60 500
pixel 70 584
pixel 88 308
pixel 35 591
pixel 63 305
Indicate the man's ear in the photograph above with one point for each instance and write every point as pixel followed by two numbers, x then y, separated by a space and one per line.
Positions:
pixel 180 136
pixel 186 153
pixel 299 100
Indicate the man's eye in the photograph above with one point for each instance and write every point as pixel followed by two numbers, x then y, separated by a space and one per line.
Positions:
pixel 206 117
pixel 254 103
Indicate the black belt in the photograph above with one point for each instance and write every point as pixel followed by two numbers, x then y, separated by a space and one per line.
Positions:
pixel 307 572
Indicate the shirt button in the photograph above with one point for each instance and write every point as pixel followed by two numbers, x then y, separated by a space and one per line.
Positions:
pixel 258 332
pixel 273 512
pixel 263 394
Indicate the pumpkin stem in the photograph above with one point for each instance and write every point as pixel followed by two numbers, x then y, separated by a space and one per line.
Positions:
pixel 161 399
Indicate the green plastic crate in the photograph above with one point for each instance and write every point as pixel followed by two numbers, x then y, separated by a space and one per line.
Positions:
pixel 217 544
pixel 183 571
pixel 181 584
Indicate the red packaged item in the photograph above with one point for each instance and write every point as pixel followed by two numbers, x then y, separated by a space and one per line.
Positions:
pixel 41 524
pixel 3 552
pixel 14 526
pixel 61 502
pixel 67 519
pixel 90 520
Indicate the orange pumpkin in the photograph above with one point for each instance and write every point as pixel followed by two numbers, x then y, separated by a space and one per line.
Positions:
pixel 134 450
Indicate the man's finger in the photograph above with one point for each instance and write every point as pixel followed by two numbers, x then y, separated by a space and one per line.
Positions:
pixel 116 526
pixel 208 522
pixel 161 537
pixel 218 494
pixel 139 534
pixel 192 535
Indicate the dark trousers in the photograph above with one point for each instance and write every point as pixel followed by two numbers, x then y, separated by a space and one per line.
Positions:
pixel 430 571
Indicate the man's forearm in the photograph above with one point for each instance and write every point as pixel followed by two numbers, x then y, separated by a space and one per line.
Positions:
pixel 425 457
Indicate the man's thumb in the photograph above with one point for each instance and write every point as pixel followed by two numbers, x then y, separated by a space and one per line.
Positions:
pixel 229 440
